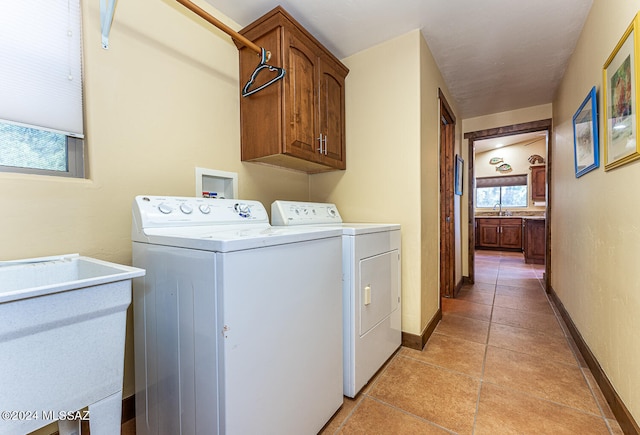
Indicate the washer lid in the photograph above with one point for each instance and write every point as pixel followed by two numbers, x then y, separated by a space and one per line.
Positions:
pixel 234 238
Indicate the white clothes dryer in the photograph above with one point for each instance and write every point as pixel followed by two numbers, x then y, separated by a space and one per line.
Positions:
pixel 371 286
pixel 238 325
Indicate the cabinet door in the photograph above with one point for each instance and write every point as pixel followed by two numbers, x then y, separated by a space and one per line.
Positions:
pixel 535 241
pixel 331 115
pixel 511 233
pixel 301 108
pixel 488 233
pixel 538 183
pixel 261 113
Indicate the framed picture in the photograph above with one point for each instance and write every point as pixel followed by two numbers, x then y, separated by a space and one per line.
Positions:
pixel 585 135
pixel 619 92
pixel 458 175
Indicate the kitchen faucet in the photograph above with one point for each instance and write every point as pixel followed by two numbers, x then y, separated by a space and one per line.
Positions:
pixel 500 205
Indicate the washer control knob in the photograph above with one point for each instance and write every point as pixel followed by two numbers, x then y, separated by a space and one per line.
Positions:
pixel 165 208
pixel 204 208
pixel 186 208
pixel 331 212
pixel 242 209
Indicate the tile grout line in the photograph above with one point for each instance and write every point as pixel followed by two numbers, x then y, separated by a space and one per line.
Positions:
pixel 486 349
pixel 567 337
pixel 404 411
pixel 364 392
pixel 573 352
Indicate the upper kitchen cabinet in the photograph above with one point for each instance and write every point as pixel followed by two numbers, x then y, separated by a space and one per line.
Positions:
pixel 299 121
pixel 538 183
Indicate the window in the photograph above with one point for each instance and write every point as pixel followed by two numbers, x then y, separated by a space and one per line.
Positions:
pixel 41 114
pixel 506 191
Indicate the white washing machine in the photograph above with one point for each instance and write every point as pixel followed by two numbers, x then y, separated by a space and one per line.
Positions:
pixel 238 325
pixel 371 286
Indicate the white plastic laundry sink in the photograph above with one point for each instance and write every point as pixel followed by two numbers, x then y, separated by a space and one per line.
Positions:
pixel 62 333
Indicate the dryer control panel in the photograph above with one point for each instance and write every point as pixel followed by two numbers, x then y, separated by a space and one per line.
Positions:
pixel 304 213
pixel 172 211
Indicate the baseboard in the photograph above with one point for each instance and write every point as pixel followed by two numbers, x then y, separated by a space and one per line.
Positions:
pixel 128 413
pixel 458 287
pixel 128 408
pixel 466 280
pixel 417 342
pixel 625 419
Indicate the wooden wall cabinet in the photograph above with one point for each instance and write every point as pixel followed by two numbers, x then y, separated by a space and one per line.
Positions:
pixel 538 183
pixel 299 121
pixel 534 241
pixel 499 233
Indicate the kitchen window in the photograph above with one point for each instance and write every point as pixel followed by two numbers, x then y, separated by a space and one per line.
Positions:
pixel 41 111
pixel 504 191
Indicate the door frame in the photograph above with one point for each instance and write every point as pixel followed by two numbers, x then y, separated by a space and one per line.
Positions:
pixel 527 127
pixel 447 204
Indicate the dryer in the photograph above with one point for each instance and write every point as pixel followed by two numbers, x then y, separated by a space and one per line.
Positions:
pixel 238 325
pixel 371 286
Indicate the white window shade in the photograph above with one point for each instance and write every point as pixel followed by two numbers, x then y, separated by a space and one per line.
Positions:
pixel 41 67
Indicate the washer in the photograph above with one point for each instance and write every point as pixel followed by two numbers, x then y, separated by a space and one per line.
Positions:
pixel 238 325
pixel 371 286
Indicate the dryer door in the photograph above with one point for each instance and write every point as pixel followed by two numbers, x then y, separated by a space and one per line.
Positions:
pixel 379 291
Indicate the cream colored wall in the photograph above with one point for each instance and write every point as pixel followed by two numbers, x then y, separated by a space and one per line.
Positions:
pixel 517 156
pixel 162 100
pixel 502 119
pixel 381 183
pixel 594 228
pixel 430 81
pixel 392 161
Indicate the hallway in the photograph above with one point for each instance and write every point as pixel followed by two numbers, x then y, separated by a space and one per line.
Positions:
pixel 499 362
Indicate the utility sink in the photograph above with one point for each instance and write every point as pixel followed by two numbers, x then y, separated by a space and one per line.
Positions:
pixel 62 333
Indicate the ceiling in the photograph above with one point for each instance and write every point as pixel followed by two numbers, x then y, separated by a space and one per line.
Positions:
pixel 494 55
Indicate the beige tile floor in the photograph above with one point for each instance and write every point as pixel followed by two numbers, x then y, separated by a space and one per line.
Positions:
pixel 499 362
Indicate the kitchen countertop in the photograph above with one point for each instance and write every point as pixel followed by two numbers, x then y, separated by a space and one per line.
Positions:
pixel 507 217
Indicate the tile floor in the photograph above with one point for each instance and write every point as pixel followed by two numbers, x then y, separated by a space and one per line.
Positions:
pixel 499 362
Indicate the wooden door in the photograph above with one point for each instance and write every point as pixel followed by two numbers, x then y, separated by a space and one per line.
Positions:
pixel 447 218
pixel 301 109
pixel 331 117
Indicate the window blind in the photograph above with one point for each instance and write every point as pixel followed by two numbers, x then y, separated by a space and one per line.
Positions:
pixel 505 180
pixel 41 68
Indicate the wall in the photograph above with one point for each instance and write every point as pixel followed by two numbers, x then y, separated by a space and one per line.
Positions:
pixel 390 135
pixel 162 100
pixel 594 228
pixel 430 81
pixel 502 119
pixel 517 156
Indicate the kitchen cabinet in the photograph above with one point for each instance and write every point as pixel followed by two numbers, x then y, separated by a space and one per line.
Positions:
pixel 299 121
pixel 534 241
pixel 538 183
pixel 499 233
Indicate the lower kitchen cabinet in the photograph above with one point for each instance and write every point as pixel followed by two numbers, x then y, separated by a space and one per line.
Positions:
pixel 499 233
pixel 534 241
